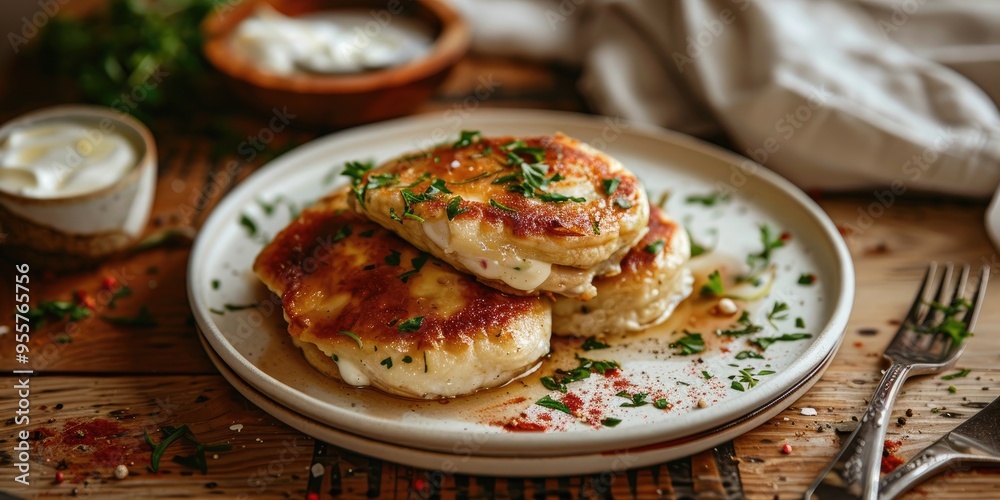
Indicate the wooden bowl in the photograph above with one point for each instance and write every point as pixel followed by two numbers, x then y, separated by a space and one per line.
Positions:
pixel 345 99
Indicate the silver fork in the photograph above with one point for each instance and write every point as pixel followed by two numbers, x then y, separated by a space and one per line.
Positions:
pixel 854 472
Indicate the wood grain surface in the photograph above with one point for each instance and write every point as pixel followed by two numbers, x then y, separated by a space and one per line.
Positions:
pixel 143 379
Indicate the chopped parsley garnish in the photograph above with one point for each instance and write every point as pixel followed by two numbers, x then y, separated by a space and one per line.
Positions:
pixel 690 343
pixel 342 233
pixel 800 323
pixel 655 247
pixel 709 200
pixel 775 314
pixel 466 138
pixel 249 224
pixel 548 402
pixel 610 185
pixel 696 248
pixel 58 309
pixel 623 203
pixel 497 204
pixel 420 180
pixel 407 359
pixel 393 258
pixel 353 336
pixel 437 186
pixel 367 234
pixel 748 327
pixel 747 379
pixel 124 291
pixel 591 344
pixel 661 404
pixel 455 208
pixel 759 261
pixel 394 216
pixel 807 279
pixel 213 310
pixel 387 362
pixel 764 342
pixel 215 285
pixel 159 449
pixel 240 307
pixel 411 325
pixel 611 422
pixel 583 370
pixel 597 226
pixel 952 389
pixel 958 374
pixel 638 399
pixel 749 355
pixel 706 375
pixel 713 288
pixel 559 198
pixel 949 324
pixel 356 170
pixel 409 199
pixel 142 320
pixel 530 177
pixel 196 461
pixel 418 263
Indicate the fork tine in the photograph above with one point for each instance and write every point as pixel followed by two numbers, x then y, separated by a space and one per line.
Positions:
pixel 977 299
pixel 918 302
pixel 941 296
pixel 963 280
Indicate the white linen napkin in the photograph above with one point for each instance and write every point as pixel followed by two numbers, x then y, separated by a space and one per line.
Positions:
pixel 866 94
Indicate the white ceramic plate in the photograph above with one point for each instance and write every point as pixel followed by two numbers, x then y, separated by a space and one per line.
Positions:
pixel 254 344
pixel 464 462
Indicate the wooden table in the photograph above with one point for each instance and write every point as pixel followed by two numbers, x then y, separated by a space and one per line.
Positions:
pixel 142 379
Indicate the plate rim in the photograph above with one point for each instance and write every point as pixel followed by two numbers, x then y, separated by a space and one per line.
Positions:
pixel 499 466
pixel 827 340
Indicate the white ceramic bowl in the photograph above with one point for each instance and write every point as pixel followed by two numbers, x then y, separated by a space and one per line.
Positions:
pixel 77 231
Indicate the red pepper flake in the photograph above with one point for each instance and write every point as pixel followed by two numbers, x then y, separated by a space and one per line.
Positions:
pixel 890 463
pixel 519 426
pixel 786 449
pixel 60 477
pixel 85 300
pixel 110 283
pixel 858 344
pixel 890 447
pixel 622 384
pixel 612 373
pixel 889 460
pixel 785 237
pixel 312 495
pixel 483 263
pixel 573 402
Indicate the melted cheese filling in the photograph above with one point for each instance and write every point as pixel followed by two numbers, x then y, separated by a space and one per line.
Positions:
pixel 517 272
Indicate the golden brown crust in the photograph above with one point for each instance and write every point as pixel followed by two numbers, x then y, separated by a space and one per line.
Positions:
pixel 336 272
pixel 582 212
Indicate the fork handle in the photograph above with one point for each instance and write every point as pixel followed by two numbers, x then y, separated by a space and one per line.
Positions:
pixel 854 472
pixel 950 449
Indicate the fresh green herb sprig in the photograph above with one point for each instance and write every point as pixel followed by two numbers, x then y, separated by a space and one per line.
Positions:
pixel 748 327
pixel 764 342
pixel 690 343
pixel 56 309
pixel 949 324
pixel 638 399
pixel 153 46
pixel 195 461
pixel 759 261
pixel 582 371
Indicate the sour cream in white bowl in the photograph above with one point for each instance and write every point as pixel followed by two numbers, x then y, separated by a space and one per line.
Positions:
pixel 76 185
